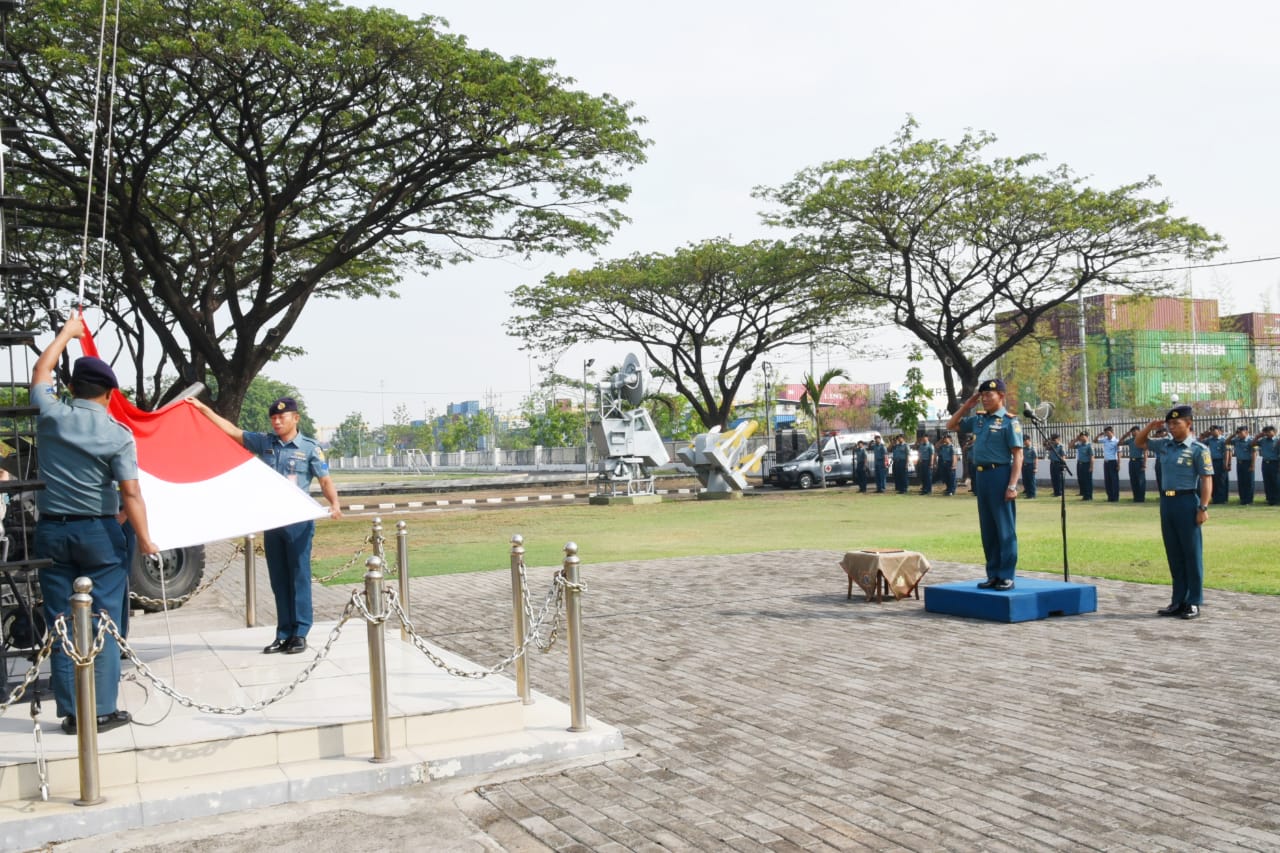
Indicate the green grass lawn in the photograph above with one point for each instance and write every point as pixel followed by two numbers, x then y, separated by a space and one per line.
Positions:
pixel 1119 541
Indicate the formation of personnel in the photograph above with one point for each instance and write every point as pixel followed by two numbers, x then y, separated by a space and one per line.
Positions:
pixel 946 464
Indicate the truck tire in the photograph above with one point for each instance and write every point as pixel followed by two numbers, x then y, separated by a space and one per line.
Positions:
pixel 182 567
pixel 805 480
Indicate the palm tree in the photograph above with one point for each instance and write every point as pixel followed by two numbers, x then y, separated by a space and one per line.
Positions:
pixel 811 404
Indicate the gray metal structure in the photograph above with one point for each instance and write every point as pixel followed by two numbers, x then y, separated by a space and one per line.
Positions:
pixel 624 434
pixel 718 460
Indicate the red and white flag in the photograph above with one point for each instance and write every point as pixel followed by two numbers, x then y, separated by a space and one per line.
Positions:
pixel 199 485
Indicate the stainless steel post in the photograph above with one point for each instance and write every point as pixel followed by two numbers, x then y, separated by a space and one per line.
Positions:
pixel 377 659
pixel 573 622
pixel 402 560
pixel 376 539
pixel 250 583
pixel 517 619
pixel 86 694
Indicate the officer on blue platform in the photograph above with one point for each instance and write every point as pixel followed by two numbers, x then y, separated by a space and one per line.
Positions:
pixel 288 548
pixel 1084 465
pixel 997 451
pixel 1269 450
pixel 1137 465
pixel 878 460
pixel 1028 468
pixel 924 465
pixel 1057 455
pixel 1217 445
pixel 84 455
pixel 1184 506
pixel 1240 446
pixel 946 473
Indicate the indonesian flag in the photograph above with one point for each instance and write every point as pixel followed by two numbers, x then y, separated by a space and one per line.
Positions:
pixel 199 485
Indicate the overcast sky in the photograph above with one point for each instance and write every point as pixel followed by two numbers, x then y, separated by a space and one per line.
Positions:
pixel 744 93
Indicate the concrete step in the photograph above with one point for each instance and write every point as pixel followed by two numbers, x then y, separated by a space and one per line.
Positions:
pixel 176 762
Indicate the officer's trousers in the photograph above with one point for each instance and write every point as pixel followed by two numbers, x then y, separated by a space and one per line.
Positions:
pixel 997 519
pixel 1271 480
pixel 1182 547
pixel 288 552
pixel 1244 481
pixel 1084 473
pixel 1111 479
pixel 1138 479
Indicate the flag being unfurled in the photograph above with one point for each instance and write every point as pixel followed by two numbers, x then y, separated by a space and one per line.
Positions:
pixel 200 485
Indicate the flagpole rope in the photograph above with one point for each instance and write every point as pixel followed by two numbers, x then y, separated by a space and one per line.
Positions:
pixel 93 147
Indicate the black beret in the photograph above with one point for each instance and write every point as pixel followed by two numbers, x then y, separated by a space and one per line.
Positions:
pixel 95 370
pixel 1178 412
pixel 284 404
pixel 992 385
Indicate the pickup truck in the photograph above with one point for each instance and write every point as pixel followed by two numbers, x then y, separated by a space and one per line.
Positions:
pixel 805 470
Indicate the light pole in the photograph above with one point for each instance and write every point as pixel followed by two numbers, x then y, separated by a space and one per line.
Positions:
pixel 586 424
pixel 768 404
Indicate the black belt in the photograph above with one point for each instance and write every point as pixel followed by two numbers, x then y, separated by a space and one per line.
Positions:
pixel 60 518
pixel 987 466
pixel 1172 493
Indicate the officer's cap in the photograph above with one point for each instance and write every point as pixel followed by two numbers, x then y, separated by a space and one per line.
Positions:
pixel 1268 428
pixel 992 385
pixel 284 404
pixel 95 370
pixel 1177 413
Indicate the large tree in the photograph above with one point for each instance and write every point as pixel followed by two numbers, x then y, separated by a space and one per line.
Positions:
pixel 948 241
pixel 264 152
pixel 704 315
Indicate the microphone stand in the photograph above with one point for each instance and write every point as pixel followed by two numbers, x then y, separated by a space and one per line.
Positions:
pixel 1062 493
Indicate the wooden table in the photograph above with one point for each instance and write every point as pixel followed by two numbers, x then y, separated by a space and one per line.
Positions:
pixel 885 571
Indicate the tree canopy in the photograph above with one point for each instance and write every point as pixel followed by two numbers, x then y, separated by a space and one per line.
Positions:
pixel 947 241
pixel 703 315
pixel 265 152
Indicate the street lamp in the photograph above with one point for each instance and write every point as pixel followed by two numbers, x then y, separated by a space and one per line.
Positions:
pixel 586 424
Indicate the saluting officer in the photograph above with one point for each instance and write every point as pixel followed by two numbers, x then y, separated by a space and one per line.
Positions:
pixel 1057 465
pixel 1240 446
pixel 997 455
pixel 878 460
pixel 1110 463
pixel 924 465
pixel 1084 465
pixel 1269 450
pixel 946 472
pixel 1137 465
pixel 288 548
pixel 1184 506
pixel 1217 445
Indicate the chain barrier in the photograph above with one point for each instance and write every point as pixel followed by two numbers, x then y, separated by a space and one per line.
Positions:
pixel 207 582
pixel 32 674
pixel 368 540
pixel 555 595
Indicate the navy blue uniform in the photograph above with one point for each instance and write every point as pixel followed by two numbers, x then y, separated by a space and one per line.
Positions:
pixel 1183 463
pixel 1057 455
pixel 1137 468
pixel 1217 445
pixel 996 436
pixel 1084 469
pixel 924 467
pixel 1029 470
pixel 84 453
pixel 860 468
pixel 1269 450
pixel 1242 448
pixel 901 459
pixel 288 548
pixel 878 451
pixel 1110 466
pixel 947 467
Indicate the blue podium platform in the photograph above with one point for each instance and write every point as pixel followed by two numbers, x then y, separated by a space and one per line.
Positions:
pixel 1029 599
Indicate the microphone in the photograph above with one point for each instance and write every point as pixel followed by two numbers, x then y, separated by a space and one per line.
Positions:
pixel 1027 413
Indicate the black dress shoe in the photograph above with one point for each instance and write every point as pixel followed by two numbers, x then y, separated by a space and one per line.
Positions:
pixel 988 583
pixel 1171 610
pixel 1002 585
pixel 1191 611
pixel 106 722
pixel 276 646
pixel 295 645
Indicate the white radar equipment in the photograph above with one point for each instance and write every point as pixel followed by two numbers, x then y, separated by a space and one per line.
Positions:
pixel 626 438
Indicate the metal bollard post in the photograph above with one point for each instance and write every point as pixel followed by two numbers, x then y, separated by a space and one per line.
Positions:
pixel 250 583
pixel 402 559
pixel 376 539
pixel 517 619
pixel 377 660
pixel 573 623
pixel 86 694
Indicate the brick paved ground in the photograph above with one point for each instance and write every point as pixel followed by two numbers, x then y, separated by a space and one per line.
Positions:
pixel 766 712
